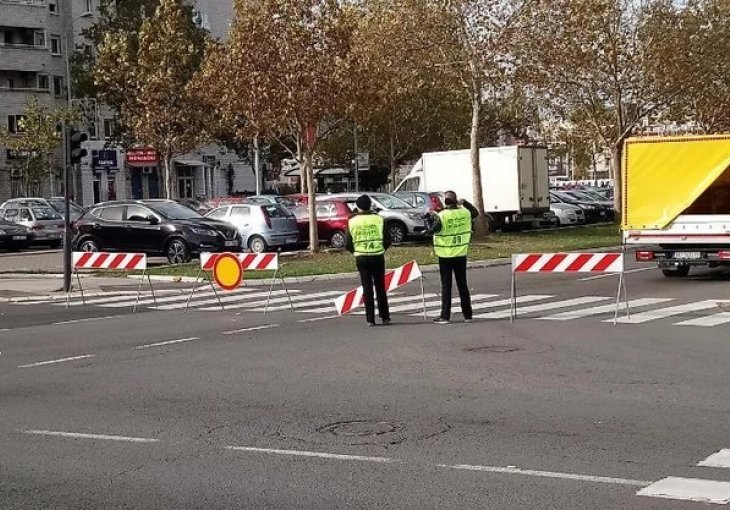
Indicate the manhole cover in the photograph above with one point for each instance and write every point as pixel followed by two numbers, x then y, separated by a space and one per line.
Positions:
pixel 358 428
pixel 497 349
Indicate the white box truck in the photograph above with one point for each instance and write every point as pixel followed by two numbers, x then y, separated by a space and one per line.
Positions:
pixel 676 201
pixel 515 182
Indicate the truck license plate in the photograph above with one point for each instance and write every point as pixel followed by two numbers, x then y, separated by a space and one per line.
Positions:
pixel 687 255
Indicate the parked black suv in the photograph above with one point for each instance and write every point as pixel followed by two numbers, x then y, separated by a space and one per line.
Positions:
pixel 153 227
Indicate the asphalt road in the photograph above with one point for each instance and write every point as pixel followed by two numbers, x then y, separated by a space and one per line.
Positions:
pixel 102 408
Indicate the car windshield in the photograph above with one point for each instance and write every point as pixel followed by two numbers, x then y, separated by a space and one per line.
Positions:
pixel 565 196
pixel 583 196
pixel 45 213
pixel 301 211
pixel 391 202
pixel 60 205
pixel 174 211
pixel 277 211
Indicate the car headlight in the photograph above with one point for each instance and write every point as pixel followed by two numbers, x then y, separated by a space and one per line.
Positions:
pixel 414 216
pixel 2 232
pixel 204 232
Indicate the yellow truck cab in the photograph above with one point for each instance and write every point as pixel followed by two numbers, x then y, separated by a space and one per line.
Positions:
pixel 676 201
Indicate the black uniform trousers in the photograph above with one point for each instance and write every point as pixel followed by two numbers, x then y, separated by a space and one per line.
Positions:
pixel 372 274
pixel 457 267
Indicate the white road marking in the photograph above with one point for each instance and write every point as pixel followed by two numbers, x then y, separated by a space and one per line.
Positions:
pixel 597 310
pixel 511 470
pixel 720 459
pixel 690 489
pixel 607 275
pixel 53 361
pixel 496 304
pixel 307 307
pixel 125 296
pixel 255 328
pixel 224 298
pixel 304 453
pixel 317 319
pixel 78 435
pixel 283 302
pixel 708 321
pixel 436 303
pixel 502 314
pixel 662 313
pixel 88 319
pixel 169 342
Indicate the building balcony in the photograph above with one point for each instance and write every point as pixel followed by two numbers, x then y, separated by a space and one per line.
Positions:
pixel 24 13
pixel 24 57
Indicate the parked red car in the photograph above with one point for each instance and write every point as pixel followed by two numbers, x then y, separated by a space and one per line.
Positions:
pixel 332 218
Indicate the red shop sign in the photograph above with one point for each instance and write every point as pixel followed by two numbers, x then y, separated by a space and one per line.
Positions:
pixel 142 156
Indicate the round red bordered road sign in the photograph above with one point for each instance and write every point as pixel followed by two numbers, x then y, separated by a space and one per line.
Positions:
pixel 227 271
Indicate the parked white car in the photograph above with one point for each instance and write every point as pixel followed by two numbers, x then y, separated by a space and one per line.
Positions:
pixel 568 214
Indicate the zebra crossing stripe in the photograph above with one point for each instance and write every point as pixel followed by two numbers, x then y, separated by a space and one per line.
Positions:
pixel 708 321
pixel 180 297
pixel 689 489
pixel 125 298
pixel 597 310
pixel 662 313
pixel 494 304
pixel 502 314
pixel 720 459
pixel 195 303
pixel 285 300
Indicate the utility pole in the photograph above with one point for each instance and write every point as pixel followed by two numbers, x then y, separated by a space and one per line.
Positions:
pixel 256 163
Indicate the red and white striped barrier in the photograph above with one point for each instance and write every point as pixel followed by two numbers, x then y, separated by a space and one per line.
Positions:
pixel 103 260
pixel 249 261
pixel 393 279
pixel 541 263
pixel 110 261
pixel 568 263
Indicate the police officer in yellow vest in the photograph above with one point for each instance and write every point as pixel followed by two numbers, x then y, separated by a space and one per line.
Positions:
pixel 368 239
pixel 452 229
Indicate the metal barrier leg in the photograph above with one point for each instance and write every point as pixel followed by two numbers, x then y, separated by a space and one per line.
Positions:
pixel 626 299
pixel 618 297
pixel 139 291
pixel 192 291
pixel 217 296
pixel 271 288
pixel 513 299
pixel 81 288
pixel 152 289
pixel 423 300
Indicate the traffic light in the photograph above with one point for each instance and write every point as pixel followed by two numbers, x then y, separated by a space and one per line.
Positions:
pixel 76 138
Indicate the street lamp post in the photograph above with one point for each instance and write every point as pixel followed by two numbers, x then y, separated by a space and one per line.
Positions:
pixel 67 159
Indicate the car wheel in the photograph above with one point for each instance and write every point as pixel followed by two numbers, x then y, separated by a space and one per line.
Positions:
pixel 257 244
pixel 397 233
pixel 89 245
pixel 178 252
pixel 337 240
pixel 678 272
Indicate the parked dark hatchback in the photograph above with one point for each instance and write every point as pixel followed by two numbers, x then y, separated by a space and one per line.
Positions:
pixel 154 227
pixel 14 237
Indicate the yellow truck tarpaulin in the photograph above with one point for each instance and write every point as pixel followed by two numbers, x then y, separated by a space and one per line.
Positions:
pixel 663 176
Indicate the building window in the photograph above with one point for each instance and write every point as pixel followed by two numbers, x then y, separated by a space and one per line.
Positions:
pixel 53 6
pixel 42 82
pixel 39 38
pixel 58 85
pixel 89 6
pixel 110 126
pixel 55 45
pixel 15 123
pixel 91 128
pixel 11 83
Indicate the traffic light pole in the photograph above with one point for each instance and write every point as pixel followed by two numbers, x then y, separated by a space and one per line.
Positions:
pixel 67 217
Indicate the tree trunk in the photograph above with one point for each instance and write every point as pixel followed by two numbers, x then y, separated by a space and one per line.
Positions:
pixel 308 171
pixel 617 153
pixel 481 225
pixel 256 163
pixel 391 156
pixel 168 176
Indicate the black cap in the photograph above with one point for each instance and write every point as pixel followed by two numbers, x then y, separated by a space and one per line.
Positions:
pixel 363 203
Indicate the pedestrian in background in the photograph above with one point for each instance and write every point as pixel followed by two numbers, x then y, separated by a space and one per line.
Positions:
pixel 452 230
pixel 368 239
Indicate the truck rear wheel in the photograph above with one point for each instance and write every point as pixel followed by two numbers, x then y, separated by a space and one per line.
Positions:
pixel 678 272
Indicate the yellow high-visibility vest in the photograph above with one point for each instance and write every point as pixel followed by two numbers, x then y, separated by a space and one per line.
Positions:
pixel 367 234
pixel 455 235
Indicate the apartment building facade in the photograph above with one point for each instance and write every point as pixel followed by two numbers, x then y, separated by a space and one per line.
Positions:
pixel 33 65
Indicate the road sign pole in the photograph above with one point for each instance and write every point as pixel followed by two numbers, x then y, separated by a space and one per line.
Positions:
pixel 66 231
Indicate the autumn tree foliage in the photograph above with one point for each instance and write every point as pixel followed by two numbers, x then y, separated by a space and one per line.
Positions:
pixel 284 72
pixel 146 76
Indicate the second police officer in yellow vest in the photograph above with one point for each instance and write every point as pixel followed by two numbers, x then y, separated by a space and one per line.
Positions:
pixel 368 239
pixel 452 229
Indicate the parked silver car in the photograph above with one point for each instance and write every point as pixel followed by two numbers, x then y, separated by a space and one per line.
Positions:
pixel 45 223
pixel 568 214
pixel 55 203
pixel 261 226
pixel 402 220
